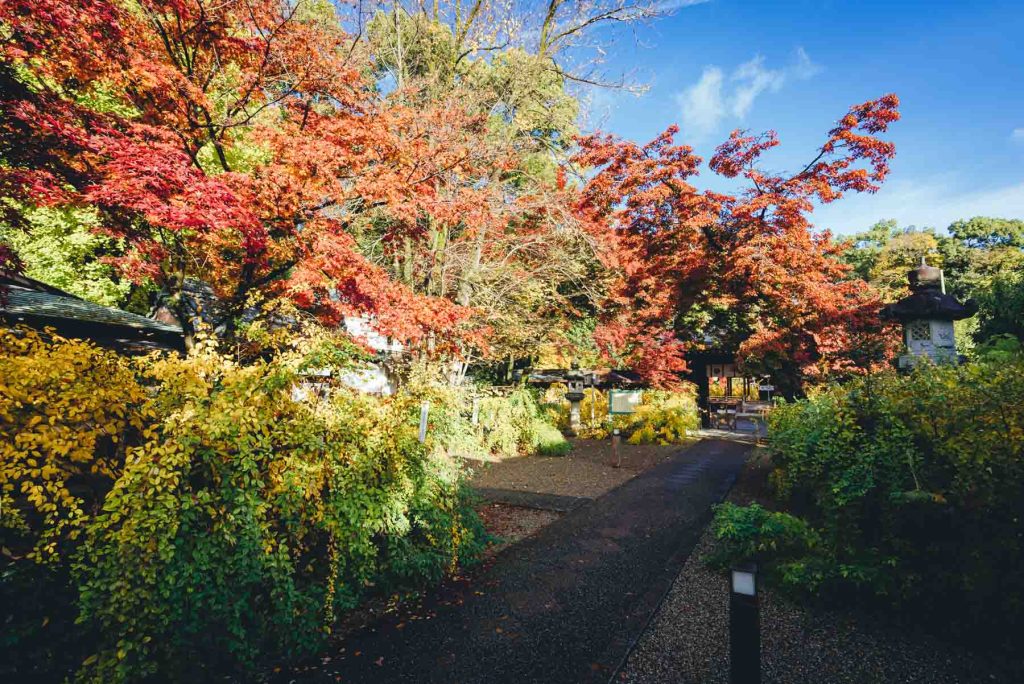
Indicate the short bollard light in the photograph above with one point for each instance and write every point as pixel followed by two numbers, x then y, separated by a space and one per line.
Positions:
pixel 744 580
pixel 744 626
pixel 616 448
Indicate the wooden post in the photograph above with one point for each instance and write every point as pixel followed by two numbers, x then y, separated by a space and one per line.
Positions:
pixel 593 400
pixel 424 412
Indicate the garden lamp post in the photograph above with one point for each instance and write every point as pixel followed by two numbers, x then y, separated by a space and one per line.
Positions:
pixel 744 626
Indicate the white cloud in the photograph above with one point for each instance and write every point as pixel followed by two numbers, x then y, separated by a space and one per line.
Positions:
pixel 702 104
pixel 934 202
pixel 751 80
pixel 712 99
pixel 1017 135
pixel 804 67
pixel 669 5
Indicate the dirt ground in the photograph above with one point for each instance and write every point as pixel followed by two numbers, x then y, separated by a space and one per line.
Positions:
pixel 511 524
pixel 585 471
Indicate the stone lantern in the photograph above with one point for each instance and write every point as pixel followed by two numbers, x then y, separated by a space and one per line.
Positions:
pixel 574 379
pixel 927 315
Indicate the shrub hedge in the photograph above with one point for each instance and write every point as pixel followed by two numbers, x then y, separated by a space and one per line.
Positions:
pixel 905 488
pixel 176 518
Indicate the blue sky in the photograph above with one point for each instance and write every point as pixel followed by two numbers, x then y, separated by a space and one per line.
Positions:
pixel 958 68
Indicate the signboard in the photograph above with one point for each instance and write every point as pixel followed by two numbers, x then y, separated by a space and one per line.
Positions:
pixel 623 401
pixel 766 388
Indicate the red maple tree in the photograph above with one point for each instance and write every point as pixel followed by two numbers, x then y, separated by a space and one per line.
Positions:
pixel 198 86
pixel 744 272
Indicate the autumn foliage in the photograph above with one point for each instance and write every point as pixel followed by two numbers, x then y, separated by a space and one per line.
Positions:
pixel 746 271
pixel 250 146
pixel 226 142
pixel 187 518
pixel 67 414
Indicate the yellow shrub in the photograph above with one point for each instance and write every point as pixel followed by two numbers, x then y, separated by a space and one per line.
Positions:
pixel 220 519
pixel 67 411
pixel 663 418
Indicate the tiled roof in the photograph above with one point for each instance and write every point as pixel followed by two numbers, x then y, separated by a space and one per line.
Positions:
pixel 25 302
pixel 620 378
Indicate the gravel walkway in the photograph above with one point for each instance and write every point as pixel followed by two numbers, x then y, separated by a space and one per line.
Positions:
pixel 537 500
pixel 585 471
pixel 687 641
pixel 512 524
pixel 563 605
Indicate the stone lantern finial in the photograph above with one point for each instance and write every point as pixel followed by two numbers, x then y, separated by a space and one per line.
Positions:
pixel 925 277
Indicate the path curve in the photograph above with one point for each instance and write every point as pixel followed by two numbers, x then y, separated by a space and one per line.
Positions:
pixel 562 606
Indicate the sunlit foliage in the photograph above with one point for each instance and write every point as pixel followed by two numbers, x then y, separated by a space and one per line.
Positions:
pixel 228 519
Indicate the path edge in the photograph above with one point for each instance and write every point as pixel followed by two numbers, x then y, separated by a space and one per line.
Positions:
pixel 662 586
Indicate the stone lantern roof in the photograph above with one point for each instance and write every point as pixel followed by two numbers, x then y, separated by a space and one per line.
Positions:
pixel 927 300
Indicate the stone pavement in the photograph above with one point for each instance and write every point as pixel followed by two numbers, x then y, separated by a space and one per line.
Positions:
pixel 565 605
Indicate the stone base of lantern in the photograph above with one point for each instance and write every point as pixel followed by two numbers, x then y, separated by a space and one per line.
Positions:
pixel 575 420
pixel 938 357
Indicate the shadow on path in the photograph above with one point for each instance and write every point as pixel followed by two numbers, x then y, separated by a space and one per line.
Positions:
pixel 562 606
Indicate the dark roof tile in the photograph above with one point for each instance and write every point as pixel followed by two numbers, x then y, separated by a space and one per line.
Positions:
pixel 26 302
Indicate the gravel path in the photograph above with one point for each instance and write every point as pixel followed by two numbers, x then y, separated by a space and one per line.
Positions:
pixel 687 641
pixel 536 500
pixel 512 524
pixel 564 605
pixel 585 471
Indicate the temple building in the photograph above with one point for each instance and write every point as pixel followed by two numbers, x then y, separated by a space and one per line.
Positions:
pixel 33 303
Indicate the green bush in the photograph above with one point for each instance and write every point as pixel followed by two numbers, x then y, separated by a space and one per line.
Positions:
pixel 239 522
pixel 509 422
pixel 550 441
pixel 911 486
pixel 516 424
pixel 755 533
